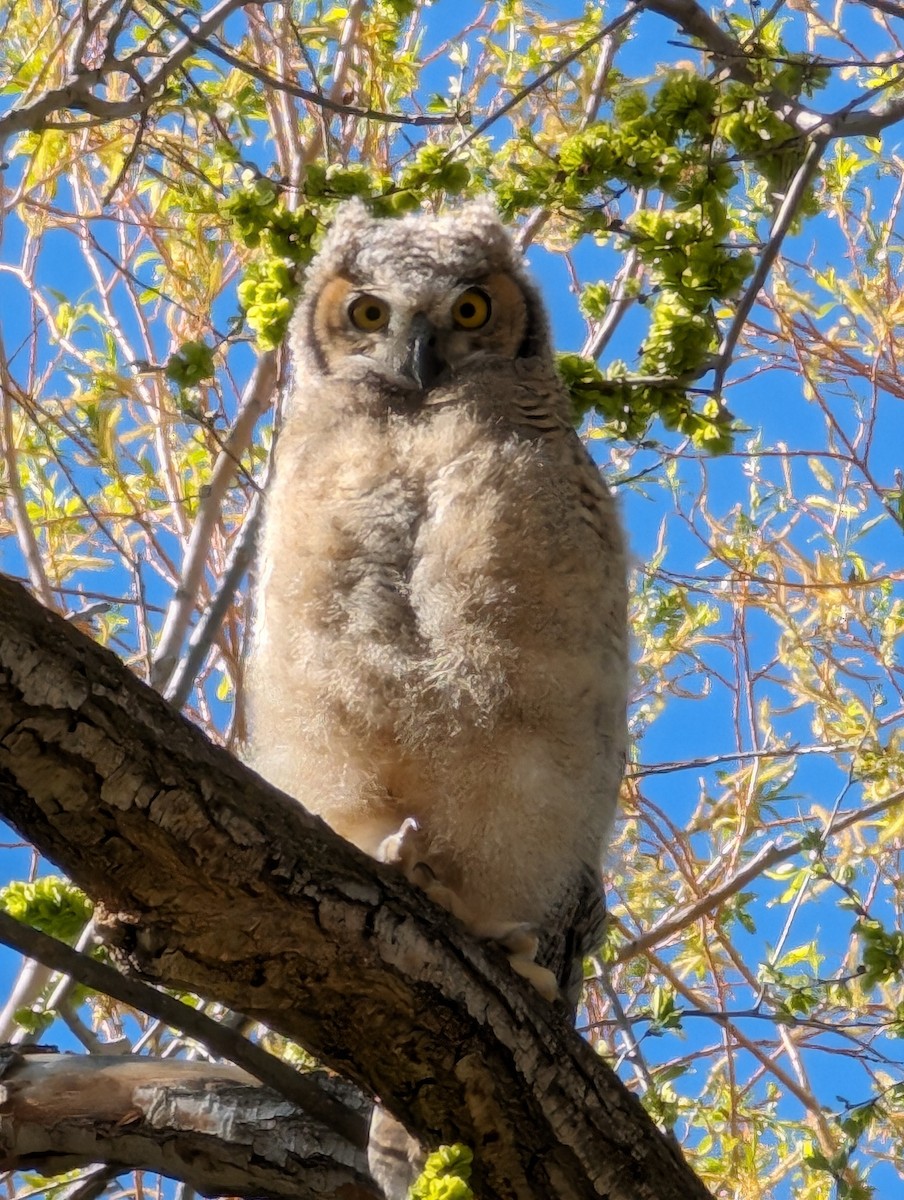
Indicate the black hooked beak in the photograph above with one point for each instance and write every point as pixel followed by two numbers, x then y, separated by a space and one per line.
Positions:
pixel 422 362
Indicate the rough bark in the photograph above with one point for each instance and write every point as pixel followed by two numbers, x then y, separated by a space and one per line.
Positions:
pixel 333 1103
pixel 212 1126
pixel 213 881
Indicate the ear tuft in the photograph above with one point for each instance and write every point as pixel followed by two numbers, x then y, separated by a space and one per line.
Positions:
pixel 349 228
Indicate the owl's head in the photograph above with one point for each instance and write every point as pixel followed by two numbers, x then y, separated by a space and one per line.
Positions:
pixel 413 303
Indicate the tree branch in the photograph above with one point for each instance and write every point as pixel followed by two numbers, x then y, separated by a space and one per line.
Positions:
pixel 208 1125
pixel 224 1042
pixel 768 857
pixel 210 879
pixel 77 94
pixel 256 399
pixel 784 217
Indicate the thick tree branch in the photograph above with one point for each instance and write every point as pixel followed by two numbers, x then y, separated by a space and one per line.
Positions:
pixel 302 1090
pixel 214 881
pixel 211 1126
pixel 887 6
pixel 729 54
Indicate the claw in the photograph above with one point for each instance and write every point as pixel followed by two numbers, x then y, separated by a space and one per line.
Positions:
pixel 396 848
pixel 542 979
pixel 521 943
pixel 518 939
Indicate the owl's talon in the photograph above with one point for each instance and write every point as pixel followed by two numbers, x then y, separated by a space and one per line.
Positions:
pixel 423 876
pixel 542 978
pixel 520 941
pixel 442 895
pixel 397 848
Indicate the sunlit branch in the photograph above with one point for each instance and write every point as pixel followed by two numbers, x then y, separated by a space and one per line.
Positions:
pixel 257 397
pixel 770 856
pixel 30 984
pixel 800 895
pixel 203 635
pixel 556 68
pixel 215 1035
pixel 643 770
pixel 320 99
pixel 768 1060
pixel 632 1054
pixel 622 298
pixel 782 223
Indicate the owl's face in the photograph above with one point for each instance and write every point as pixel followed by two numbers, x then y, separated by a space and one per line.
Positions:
pixel 415 303
pixel 418 338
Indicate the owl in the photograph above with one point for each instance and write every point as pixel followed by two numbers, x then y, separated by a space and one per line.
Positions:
pixel 440 658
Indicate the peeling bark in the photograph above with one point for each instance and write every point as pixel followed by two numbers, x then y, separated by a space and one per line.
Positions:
pixel 212 880
pixel 212 1126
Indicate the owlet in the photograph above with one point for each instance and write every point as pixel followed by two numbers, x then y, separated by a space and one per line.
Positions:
pixel 440 656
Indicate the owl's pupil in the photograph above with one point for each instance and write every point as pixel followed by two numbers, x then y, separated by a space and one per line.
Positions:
pixel 372 313
pixel 467 310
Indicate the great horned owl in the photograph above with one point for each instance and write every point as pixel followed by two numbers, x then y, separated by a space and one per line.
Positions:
pixel 439 662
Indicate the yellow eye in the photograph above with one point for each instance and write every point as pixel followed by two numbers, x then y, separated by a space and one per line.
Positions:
pixel 472 309
pixel 368 313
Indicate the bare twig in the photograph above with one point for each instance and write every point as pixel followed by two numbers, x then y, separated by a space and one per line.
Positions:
pixel 31 981
pixel 768 857
pixel 551 71
pixel 184 674
pixel 319 99
pixel 25 534
pixel 632 1052
pixel 257 397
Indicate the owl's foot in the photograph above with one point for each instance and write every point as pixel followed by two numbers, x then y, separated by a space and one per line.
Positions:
pixel 518 939
pixel 520 942
pixel 541 977
pixel 399 849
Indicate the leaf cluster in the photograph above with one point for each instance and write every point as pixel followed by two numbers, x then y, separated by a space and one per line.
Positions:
pixel 682 146
pixel 445 1175
pixel 271 284
pixel 51 904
